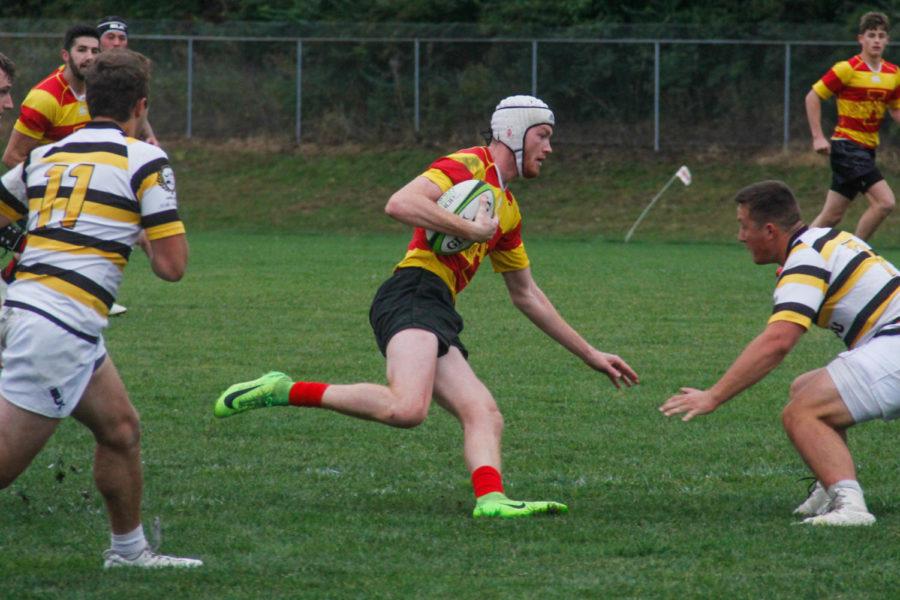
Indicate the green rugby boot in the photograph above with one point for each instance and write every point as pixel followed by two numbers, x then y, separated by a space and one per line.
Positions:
pixel 272 389
pixel 497 504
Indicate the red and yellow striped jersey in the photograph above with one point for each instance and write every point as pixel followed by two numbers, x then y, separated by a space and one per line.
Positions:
pixel 51 111
pixel 835 280
pixel 863 96
pixel 505 250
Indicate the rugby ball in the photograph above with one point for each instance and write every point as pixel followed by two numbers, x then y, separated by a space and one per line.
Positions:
pixel 462 199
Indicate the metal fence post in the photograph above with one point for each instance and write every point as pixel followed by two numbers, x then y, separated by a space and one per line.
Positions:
pixel 416 84
pixel 787 96
pixel 190 87
pixel 656 96
pixel 534 51
pixel 298 115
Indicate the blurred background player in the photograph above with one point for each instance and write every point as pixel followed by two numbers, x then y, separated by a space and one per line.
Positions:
pixel 866 86
pixel 835 280
pixel 7 76
pixel 54 108
pixel 54 358
pixel 414 317
pixel 113 33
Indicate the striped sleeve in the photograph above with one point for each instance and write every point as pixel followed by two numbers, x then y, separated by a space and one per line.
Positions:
pixel 154 185
pixel 13 194
pixel 834 80
pixel 801 288
pixel 37 114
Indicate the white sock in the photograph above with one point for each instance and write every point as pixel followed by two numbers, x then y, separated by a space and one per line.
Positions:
pixel 129 544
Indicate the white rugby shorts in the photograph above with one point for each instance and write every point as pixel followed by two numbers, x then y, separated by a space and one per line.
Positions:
pixel 868 378
pixel 45 368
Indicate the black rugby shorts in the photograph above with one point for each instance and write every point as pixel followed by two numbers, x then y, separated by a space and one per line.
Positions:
pixel 415 298
pixel 853 169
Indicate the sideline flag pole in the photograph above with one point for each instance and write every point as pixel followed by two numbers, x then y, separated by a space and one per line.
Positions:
pixel 683 174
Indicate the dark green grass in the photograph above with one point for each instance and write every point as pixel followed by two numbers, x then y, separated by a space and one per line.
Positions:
pixel 303 503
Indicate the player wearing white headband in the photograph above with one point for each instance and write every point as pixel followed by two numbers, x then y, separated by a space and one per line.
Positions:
pixel 414 316
pixel 512 119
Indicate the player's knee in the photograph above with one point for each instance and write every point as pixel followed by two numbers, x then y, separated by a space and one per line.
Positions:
pixel 124 435
pixel 886 205
pixel 408 415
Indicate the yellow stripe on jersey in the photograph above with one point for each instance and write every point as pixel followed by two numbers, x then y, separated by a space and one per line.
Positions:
pixel 67 289
pixel 791 317
pixel 165 230
pixel 832 244
pixel 42 243
pixel 870 322
pixel 830 304
pixel 9 213
pixel 102 158
pixel 110 212
pixel 810 280
pixel 439 178
pixel 94 208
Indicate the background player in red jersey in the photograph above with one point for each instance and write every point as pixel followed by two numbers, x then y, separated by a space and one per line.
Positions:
pixel 415 320
pixel 55 107
pixel 865 86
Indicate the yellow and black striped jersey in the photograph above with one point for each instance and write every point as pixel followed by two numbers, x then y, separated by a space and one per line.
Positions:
pixel 833 279
pixel 87 198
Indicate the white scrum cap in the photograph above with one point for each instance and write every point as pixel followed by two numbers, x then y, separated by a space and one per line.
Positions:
pixel 512 119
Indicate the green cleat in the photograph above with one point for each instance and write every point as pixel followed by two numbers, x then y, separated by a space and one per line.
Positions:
pixel 497 504
pixel 271 389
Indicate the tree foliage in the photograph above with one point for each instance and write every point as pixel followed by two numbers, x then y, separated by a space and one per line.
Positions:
pixel 542 13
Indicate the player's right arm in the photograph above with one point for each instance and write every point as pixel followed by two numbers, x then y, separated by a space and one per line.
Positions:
pixel 814 116
pixel 757 360
pixel 169 257
pixel 415 204
pixel 18 148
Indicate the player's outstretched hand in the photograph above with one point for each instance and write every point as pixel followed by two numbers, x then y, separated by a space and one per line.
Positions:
pixel 692 402
pixel 618 371
pixel 485 223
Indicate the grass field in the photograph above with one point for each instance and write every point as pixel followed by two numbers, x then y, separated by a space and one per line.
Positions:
pixel 307 504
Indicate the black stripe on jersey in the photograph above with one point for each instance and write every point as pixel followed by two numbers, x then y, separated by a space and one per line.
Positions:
pixel 76 279
pixel 879 299
pixel 67 236
pixel 160 218
pixel 810 270
pixel 795 307
pixel 820 243
pixel 14 203
pixel 85 147
pixel 844 275
pixel 151 167
pixel 85 336
pixel 92 195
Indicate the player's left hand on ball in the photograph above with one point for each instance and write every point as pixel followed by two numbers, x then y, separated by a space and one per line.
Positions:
pixel 618 371
pixel 692 402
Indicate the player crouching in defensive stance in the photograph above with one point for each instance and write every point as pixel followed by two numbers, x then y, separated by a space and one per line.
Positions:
pixel 88 197
pixel 414 317
pixel 835 280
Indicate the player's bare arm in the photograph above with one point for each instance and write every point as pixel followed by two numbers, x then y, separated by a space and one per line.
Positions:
pixel 758 359
pixel 814 116
pixel 415 204
pixel 531 300
pixel 169 257
pixel 18 148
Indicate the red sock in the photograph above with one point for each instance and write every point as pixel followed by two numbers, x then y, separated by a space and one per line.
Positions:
pixel 307 393
pixel 486 479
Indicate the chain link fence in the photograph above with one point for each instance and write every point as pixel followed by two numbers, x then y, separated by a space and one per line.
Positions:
pixel 658 89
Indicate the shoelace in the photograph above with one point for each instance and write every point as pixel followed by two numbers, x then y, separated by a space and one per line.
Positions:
pixel 812 484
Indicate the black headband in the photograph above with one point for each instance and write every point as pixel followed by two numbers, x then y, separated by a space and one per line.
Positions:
pixel 112 24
